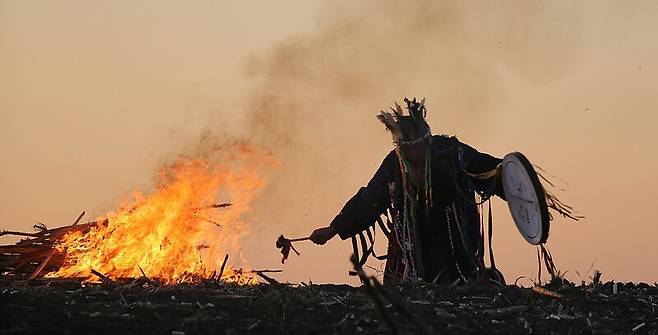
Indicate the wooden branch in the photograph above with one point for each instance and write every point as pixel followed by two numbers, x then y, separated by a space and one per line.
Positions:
pixel 148 280
pixel 31 257
pixel 269 279
pixel 223 205
pixel 45 261
pixel 220 205
pixel 546 292
pixel 103 277
pixel 18 233
pixel 221 271
pixel 266 271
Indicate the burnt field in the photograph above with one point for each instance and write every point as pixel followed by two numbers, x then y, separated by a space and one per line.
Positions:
pixel 66 306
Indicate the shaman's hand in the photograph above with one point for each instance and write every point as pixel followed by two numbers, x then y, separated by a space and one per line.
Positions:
pixel 320 236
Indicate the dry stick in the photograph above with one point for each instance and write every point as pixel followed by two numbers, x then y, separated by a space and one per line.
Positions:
pixel 220 205
pixel 102 276
pixel 47 237
pixel 45 261
pixel 18 233
pixel 221 270
pixel 213 206
pixel 49 233
pixel 548 293
pixel 209 220
pixel 638 326
pixel 145 276
pixel 371 291
pixel 266 271
pixel 269 279
pixel 261 273
pixel 521 277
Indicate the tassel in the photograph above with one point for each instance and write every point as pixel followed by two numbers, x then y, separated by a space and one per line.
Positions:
pixel 556 204
pixel 491 254
pixel 545 254
pixel 560 207
pixel 548 261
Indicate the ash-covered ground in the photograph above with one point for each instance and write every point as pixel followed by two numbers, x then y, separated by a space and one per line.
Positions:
pixel 67 307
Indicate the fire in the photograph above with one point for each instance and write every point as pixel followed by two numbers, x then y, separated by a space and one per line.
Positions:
pixel 176 233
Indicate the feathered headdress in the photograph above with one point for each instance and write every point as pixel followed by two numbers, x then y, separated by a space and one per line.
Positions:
pixel 407 129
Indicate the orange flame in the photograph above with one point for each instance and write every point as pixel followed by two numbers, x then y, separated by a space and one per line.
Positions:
pixel 174 234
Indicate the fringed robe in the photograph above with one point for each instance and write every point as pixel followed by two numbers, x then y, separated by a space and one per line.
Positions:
pixel 450 242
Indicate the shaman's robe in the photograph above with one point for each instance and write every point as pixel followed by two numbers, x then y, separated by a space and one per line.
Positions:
pixel 448 243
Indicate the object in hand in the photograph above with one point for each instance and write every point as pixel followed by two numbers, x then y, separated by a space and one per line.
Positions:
pixel 286 245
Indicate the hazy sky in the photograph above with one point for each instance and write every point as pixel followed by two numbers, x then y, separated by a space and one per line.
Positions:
pixel 95 95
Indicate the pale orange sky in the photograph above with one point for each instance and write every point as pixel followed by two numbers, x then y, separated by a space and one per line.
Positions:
pixel 94 96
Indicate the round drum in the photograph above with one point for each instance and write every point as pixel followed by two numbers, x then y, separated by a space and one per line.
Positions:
pixel 525 197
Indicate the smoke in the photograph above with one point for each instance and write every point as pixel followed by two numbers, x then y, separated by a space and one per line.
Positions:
pixel 315 95
pixel 457 53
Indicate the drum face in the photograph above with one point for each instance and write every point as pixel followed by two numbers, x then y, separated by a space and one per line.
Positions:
pixel 525 198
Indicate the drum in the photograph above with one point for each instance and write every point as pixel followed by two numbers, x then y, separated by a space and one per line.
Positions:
pixel 526 198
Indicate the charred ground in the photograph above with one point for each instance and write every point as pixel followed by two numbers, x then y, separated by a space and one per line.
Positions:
pixel 65 306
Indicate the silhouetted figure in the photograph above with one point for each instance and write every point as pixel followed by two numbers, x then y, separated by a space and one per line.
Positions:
pixel 426 186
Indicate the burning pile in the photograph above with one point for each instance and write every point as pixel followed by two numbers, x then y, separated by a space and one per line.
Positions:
pixel 178 233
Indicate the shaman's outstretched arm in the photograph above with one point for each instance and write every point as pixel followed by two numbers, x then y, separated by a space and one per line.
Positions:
pixel 363 209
